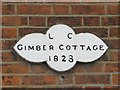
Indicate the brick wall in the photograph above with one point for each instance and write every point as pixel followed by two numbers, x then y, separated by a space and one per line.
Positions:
pixel 101 19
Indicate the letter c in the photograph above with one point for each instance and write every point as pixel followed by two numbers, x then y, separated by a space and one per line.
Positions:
pixel 69 35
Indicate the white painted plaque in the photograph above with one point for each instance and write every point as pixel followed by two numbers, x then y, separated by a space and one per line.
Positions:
pixel 61 48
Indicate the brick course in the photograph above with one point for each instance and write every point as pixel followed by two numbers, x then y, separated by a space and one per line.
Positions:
pixel 6 33
pixel 14 21
pixel 34 9
pixel 101 19
pixel 92 79
pixel 88 9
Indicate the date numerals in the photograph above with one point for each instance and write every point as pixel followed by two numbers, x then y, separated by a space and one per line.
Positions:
pixel 63 58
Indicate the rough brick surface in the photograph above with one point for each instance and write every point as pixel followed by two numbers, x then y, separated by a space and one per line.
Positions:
pixel 65 79
pixel 110 21
pixel 8 9
pixel 9 33
pixel 37 21
pixel 71 21
pixel 85 68
pixel 88 9
pixel 20 19
pixel 39 68
pixel 14 21
pixel 114 32
pixel 92 79
pixel 17 68
pixel 91 21
pixel 112 9
pixel 10 80
pixel 115 56
pixel 38 80
pixel 33 9
pixel 92 88
pixel 115 78
pixel 60 10
pixel 8 44
pixel 111 67
pixel 24 31
pixel 113 43
pixel 8 57
pixel 100 32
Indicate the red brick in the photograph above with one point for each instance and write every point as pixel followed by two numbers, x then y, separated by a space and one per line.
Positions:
pixel 112 9
pixel 9 33
pixel 8 57
pixel 68 87
pixel 91 21
pixel 39 80
pixel 110 21
pixel 89 0
pixel 18 88
pixel 104 57
pixel 114 55
pixel 111 88
pixel 92 88
pixel 65 79
pixel 113 43
pixel 71 21
pixel 37 21
pixel 111 67
pixel 100 32
pixel 8 9
pixel 25 31
pixel 14 21
pixel 90 67
pixel 34 9
pixel 15 68
pixel 8 44
pixel 42 76
pixel 10 80
pixel 60 9
pixel 39 68
pixel 88 9
pixel 0 45
pixel 92 79
pixel 115 79
pixel 59 2
pixel 114 32
pixel 0 19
